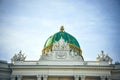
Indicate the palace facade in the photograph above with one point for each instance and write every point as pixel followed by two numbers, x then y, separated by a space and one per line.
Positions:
pixel 61 59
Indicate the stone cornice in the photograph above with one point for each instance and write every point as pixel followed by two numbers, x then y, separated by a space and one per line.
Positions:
pixel 62 67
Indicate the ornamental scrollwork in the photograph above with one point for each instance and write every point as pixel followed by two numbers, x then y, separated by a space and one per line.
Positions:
pixel 60 45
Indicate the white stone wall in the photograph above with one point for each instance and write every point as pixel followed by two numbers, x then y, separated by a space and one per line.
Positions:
pixel 5 71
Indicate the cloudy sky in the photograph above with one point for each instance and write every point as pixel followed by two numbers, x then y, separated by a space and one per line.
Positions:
pixel 26 24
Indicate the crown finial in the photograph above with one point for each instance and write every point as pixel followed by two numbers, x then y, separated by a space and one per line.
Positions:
pixel 62 28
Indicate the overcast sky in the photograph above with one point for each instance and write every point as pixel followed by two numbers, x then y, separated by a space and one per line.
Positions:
pixel 26 24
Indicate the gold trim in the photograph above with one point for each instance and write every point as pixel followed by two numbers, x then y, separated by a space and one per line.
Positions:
pixel 76 48
pixel 46 49
pixel 62 28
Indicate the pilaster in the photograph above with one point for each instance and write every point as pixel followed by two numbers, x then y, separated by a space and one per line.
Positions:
pixel 19 77
pixel 12 77
pixel 45 77
pixel 82 77
pixel 39 77
pixel 102 77
pixel 76 77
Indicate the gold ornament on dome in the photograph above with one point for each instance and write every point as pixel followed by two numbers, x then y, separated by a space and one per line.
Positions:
pixel 62 28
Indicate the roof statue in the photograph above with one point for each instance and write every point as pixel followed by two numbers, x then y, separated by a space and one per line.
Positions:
pixel 104 57
pixel 18 57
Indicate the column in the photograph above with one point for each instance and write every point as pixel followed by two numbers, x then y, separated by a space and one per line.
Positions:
pixel 45 77
pixel 76 77
pixel 12 77
pixel 19 77
pixel 82 77
pixel 39 77
pixel 102 77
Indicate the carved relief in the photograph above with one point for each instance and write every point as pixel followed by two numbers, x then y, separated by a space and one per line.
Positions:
pixel 61 55
pixel 60 45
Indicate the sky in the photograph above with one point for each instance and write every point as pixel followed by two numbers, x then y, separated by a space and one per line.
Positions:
pixel 27 24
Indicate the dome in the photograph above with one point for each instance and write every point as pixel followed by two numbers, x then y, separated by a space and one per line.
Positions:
pixel 71 40
pixel 66 36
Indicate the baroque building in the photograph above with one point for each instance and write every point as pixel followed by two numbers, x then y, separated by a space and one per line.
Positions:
pixel 62 59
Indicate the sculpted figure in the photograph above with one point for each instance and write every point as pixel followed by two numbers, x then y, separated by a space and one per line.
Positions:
pixel 18 57
pixel 103 57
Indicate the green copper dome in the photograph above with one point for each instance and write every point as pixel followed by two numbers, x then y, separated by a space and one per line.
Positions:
pixel 66 36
